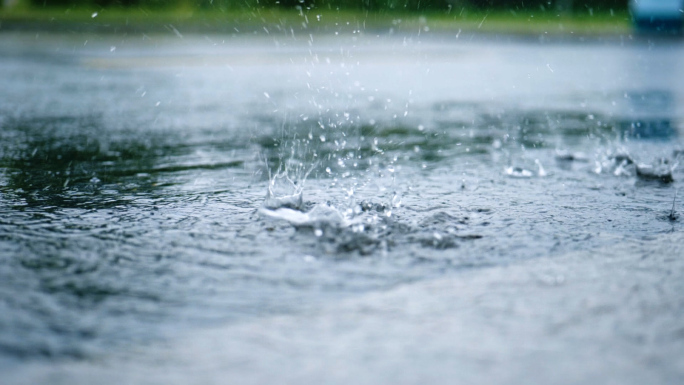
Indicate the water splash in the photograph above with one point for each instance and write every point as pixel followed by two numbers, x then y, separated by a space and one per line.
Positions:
pixel 621 163
pixel 286 187
pixel 660 171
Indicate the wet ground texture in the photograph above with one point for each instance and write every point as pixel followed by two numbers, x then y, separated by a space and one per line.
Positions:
pixel 155 188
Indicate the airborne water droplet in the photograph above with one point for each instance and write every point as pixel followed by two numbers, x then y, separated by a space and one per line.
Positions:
pixel 396 200
pixel 541 172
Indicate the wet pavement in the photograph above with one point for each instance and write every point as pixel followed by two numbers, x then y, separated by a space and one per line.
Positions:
pixel 338 208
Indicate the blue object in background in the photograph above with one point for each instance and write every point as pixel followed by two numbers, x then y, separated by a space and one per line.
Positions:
pixel 658 16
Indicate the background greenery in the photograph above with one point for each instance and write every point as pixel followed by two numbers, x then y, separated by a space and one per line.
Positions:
pixel 387 5
pixel 534 17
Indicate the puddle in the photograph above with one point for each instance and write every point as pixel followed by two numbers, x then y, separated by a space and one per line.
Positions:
pixel 140 202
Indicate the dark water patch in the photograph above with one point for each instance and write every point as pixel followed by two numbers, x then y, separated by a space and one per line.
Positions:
pixel 80 162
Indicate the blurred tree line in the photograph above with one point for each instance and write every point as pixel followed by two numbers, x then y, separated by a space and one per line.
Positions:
pixel 372 5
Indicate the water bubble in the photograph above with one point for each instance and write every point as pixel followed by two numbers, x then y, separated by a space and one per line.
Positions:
pixel 518 172
pixel 660 171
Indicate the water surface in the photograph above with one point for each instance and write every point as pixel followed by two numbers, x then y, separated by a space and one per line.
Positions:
pixel 134 172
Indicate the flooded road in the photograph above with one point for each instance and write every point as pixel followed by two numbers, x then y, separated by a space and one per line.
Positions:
pixel 188 205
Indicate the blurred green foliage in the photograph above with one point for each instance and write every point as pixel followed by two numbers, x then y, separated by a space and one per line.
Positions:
pixel 370 5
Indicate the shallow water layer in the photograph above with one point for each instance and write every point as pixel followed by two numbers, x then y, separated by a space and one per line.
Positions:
pixel 151 185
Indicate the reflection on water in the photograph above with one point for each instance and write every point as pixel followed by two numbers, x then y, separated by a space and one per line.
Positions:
pixel 70 162
pixel 78 162
pixel 126 226
pixel 651 115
